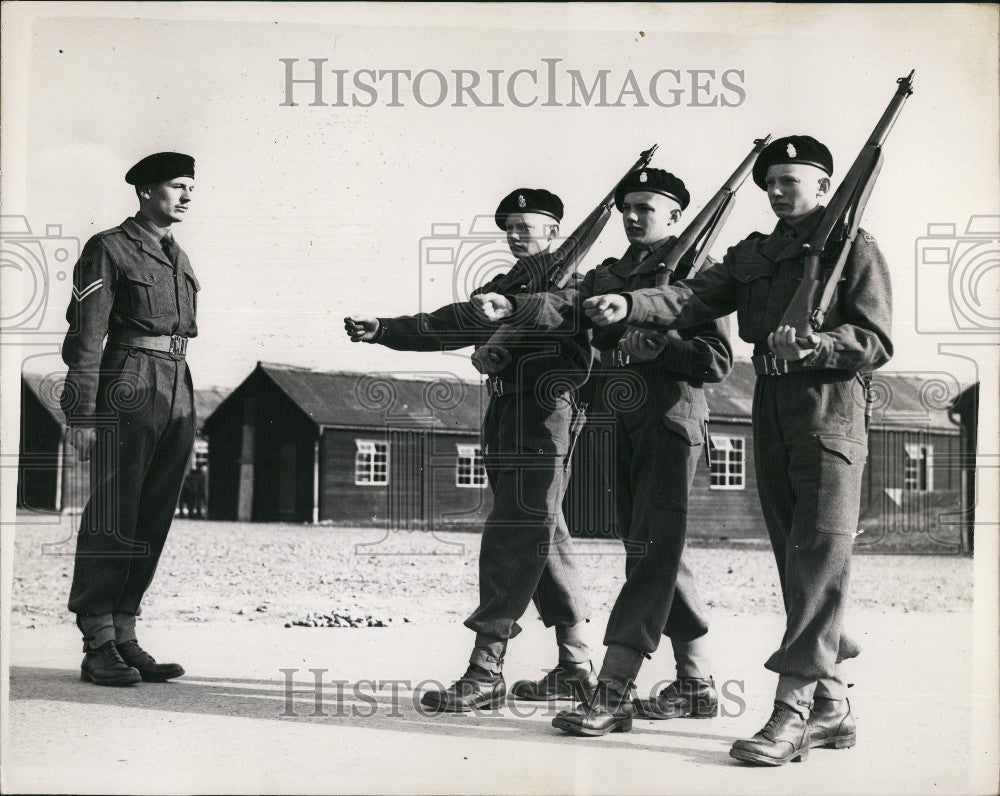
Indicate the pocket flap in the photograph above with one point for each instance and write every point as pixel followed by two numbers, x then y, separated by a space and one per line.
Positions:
pixel 689 429
pixel 848 449
pixel 542 443
pixel 748 270
pixel 141 277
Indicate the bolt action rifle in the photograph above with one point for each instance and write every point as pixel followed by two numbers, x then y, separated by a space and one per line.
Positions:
pixel 836 233
pixel 683 257
pixel 553 270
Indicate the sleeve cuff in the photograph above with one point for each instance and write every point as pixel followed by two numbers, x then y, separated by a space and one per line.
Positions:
pixel 824 355
pixel 383 329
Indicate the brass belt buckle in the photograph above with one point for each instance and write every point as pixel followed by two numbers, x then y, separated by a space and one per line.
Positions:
pixel 178 344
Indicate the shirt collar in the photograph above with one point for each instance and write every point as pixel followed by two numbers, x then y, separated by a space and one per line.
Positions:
pixel 801 227
pixel 157 232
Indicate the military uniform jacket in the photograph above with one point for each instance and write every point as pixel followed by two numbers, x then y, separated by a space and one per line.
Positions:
pixel 564 355
pixel 758 278
pixel 692 357
pixel 122 281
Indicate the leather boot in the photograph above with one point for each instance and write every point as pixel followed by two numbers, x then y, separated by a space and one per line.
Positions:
pixel 104 666
pixel 689 696
pixel 151 671
pixel 785 737
pixel 831 724
pixel 606 710
pixel 566 681
pixel 474 690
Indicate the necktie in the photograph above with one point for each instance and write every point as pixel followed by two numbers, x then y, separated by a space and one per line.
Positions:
pixel 169 248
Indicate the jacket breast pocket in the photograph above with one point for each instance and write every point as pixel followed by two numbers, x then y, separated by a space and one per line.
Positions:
pixel 608 283
pixel 754 278
pixel 150 294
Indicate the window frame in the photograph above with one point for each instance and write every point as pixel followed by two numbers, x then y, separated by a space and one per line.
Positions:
pixel 370 448
pixel 921 481
pixel 725 445
pixel 477 471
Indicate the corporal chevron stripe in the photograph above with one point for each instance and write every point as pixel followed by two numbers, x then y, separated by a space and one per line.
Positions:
pixel 93 287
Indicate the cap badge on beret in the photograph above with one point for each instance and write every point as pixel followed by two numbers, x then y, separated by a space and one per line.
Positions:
pixel 521 201
pixel 791 151
pixel 643 177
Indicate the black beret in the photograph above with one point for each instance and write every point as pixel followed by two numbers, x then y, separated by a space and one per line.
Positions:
pixel 529 200
pixel 654 181
pixel 160 167
pixel 792 149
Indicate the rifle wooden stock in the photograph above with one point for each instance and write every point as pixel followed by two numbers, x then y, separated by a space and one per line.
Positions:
pixel 839 225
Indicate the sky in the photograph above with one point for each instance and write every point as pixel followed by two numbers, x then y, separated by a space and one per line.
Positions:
pixel 304 214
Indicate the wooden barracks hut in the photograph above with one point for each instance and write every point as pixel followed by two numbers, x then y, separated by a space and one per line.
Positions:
pixel 298 445
pixel 301 445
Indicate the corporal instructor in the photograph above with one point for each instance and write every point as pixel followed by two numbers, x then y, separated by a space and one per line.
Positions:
pixel 128 400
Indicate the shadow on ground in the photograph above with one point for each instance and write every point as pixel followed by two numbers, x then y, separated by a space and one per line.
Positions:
pixel 364 704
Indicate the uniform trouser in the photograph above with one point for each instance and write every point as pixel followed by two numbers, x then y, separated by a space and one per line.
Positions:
pixel 810 446
pixel 137 468
pixel 654 469
pixel 526 553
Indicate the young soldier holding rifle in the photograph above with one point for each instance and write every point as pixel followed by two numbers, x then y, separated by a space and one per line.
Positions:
pixel 658 440
pixel 813 357
pixel 528 436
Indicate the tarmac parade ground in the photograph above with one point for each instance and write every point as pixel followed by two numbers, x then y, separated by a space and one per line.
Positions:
pixel 248 717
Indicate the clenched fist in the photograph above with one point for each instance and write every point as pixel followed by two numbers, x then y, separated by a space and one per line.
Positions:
pixel 640 346
pixel 606 310
pixel 785 345
pixel 490 359
pixel 491 306
pixel 361 330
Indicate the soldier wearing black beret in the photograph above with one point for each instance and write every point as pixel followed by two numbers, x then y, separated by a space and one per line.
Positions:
pixel 130 407
pixel 655 181
pixel 658 441
pixel 526 553
pixel 800 150
pixel 535 201
pixel 810 435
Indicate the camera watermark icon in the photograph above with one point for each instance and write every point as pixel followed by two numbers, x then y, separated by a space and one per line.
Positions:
pixel 958 278
pixel 453 265
pixel 30 262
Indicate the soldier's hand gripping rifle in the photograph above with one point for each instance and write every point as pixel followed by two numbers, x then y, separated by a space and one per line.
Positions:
pixel 839 226
pixel 549 271
pixel 686 255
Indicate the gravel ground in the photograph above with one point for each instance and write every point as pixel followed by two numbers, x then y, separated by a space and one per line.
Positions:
pixel 276 573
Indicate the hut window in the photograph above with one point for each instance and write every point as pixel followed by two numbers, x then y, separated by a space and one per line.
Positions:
pixel 918 470
pixel 728 464
pixel 371 462
pixel 470 470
